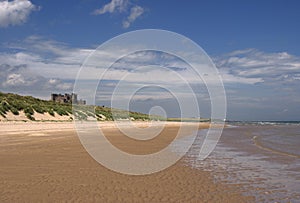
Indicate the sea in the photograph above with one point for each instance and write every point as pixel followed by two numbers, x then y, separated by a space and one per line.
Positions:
pixel 262 158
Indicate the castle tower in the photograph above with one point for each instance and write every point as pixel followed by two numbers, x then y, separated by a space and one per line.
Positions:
pixel 74 98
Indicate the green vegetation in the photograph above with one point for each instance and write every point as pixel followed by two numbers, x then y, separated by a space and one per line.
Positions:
pixel 29 105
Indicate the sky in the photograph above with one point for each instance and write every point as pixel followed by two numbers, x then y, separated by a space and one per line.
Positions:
pixel 253 44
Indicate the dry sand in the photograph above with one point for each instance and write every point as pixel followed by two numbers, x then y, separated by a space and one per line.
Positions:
pixel 45 162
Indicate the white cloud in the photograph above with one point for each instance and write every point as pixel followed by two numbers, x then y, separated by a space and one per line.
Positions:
pixel 229 78
pixel 257 66
pixel 135 12
pixel 15 12
pixel 114 5
pixel 20 79
pixel 122 6
pixel 58 60
pixel 14 80
pixel 46 57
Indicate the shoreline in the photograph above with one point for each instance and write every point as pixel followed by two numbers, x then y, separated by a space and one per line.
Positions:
pixel 54 166
pixel 267 175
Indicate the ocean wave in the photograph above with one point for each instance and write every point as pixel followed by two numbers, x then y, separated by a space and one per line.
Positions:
pixel 263 123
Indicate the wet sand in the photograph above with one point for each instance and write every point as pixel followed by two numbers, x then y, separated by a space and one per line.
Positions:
pixel 45 162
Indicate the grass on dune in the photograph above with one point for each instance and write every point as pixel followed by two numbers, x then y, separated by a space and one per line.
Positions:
pixel 15 103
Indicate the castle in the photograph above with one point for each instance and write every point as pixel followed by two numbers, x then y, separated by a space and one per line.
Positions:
pixel 67 99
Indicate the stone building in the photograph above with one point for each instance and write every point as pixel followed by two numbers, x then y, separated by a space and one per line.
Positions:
pixel 67 99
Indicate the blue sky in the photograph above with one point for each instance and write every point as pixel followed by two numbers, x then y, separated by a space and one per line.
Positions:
pixel 254 44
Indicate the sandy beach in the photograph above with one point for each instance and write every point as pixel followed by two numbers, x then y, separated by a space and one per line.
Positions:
pixel 45 162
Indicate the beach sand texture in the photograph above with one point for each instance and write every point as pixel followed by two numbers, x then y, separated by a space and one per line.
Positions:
pixel 45 162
